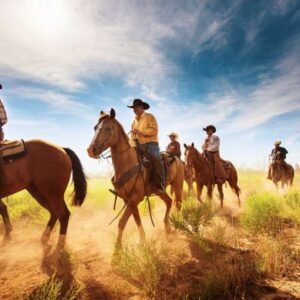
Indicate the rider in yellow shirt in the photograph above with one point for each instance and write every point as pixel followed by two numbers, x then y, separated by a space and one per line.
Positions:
pixel 144 128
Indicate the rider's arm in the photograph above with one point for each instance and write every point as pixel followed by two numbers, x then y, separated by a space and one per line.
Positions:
pixel 151 127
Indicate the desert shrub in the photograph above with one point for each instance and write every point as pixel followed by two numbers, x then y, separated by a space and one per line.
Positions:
pixel 193 219
pixel 276 257
pixel 263 213
pixel 292 207
pixel 230 278
pixel 51 289
pixel 145 264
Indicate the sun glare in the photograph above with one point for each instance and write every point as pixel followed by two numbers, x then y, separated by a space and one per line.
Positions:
pixel 48 16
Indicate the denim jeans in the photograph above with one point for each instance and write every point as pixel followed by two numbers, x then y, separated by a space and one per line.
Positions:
pixel 153 149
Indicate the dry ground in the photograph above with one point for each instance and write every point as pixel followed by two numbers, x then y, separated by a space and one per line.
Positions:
pixel 90 245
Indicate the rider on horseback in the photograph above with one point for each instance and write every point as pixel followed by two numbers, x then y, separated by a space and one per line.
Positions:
pixel 144 129
pixel 174 147
pixel 211 151
pixel 278 154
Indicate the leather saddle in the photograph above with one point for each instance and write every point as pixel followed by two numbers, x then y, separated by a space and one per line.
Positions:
pixel 12 149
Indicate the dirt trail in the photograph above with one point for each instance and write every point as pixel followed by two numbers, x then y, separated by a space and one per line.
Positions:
pixel 90 242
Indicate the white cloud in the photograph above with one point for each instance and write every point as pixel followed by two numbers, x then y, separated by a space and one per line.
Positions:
pixel 60 103
pixel 66 42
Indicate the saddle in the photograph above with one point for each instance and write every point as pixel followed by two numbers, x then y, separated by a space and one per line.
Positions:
pixel 146 167
pixel 12 149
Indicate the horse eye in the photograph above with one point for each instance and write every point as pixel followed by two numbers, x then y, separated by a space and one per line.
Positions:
pixel 95 127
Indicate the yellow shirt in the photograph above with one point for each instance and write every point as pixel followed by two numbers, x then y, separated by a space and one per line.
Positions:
pixel 147 125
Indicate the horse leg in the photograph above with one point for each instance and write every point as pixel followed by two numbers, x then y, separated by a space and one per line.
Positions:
pixel 63 216
pixel 168 202
pixel 5 217
pixel 220 189
pixel 137 219
pixel 35 193
pixel 178 194
pixel 237 192
pixel 209 191
pixel 199 192
pixel 121 226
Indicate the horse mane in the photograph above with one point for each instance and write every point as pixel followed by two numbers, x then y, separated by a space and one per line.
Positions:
pixel 122 131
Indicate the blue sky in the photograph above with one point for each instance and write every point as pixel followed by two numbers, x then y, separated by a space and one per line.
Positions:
pixel 234 64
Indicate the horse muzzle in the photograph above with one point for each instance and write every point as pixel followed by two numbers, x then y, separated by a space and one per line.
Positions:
pixel 93 152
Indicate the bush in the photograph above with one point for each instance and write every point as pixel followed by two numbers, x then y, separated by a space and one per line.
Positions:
pixel 52 290
pixel 193 219
pixel 263 214
pixel 145 264
pixel 276 257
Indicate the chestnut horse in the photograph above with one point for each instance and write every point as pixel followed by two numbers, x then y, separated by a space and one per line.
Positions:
pixel 204 174
pixel 109 133
pixel 282 172
pixel 44 171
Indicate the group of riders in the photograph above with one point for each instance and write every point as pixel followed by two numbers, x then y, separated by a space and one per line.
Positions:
pixel 144 131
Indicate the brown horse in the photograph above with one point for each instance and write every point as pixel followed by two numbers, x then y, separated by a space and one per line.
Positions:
pixel 44 171
pixel 204 174
pixel 109 133
pixel 282 172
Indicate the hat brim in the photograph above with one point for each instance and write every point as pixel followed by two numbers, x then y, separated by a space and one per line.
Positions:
pixel 145 105
pixel 213 130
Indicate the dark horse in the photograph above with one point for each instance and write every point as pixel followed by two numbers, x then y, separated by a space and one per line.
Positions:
pixel 204 174
pixel 109 133
pixel 282 172
pixel 44 171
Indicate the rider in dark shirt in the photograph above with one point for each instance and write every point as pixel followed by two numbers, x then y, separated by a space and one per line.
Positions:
pixel 174 147
pixel 278 153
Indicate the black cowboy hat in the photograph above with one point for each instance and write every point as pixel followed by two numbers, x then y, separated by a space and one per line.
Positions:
pixel 0 86
pixel 139 102
pixel 212 127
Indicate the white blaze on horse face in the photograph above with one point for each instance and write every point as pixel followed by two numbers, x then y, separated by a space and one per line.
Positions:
pixel 97 133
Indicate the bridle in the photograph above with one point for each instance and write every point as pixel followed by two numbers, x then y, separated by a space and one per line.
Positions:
pixel 108 134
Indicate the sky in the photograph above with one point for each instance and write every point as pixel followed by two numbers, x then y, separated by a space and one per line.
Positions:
pixel 231 63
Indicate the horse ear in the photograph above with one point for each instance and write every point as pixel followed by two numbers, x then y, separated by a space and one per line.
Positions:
pixel 185 146
pixel 192 145
pixel 112 113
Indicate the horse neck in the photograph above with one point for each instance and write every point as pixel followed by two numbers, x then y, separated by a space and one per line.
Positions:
pixel 199 161
pixel 123 155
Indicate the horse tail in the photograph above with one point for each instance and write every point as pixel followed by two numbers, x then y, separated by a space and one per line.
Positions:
pixel 79 179
pixel 233 180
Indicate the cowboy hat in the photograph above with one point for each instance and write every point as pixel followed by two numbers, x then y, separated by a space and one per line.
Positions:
pixel 0 86
pixel 212 127
pixel 173 134
pixel 277 143
pixel 139 102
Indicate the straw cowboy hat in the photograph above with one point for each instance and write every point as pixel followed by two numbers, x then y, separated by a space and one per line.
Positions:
pixel 277 143
pixel 139 102
pixel 212 127
pixel 173 134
